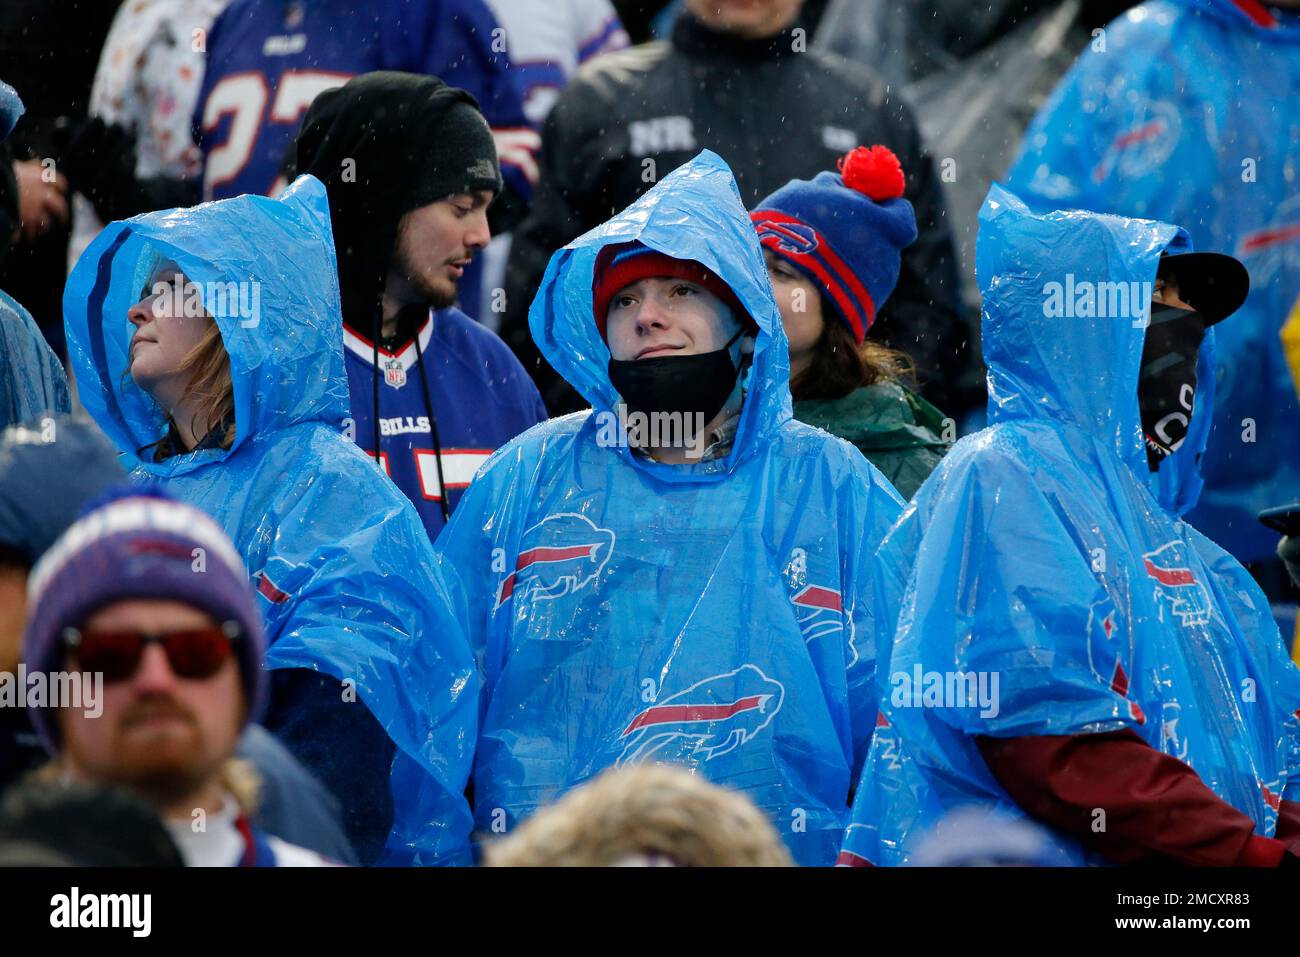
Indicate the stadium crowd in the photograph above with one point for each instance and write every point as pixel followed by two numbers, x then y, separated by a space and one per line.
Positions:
pixel 717 432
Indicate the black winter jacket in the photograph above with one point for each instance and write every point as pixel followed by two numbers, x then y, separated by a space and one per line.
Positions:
pixel 775 110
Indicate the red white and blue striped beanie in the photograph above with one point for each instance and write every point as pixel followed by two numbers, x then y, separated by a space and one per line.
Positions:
pixel 140 543
pixel 844 231
pixel 622 264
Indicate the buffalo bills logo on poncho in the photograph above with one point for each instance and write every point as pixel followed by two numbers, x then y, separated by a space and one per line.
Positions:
pixel 1176 585
pixel 1108 649
pixel 1143 146
pixel 711 718
pixel 819 612
pixel 791 237
pixel 561 554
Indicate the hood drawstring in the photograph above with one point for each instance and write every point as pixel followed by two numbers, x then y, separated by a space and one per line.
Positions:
pixel 428 408
pixel 433 428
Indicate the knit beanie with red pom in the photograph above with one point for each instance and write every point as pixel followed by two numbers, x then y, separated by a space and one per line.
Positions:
pixel 844 231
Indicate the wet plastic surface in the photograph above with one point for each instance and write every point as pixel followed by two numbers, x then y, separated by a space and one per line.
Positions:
pixel 347 579
pixel 715 614
pixel 1048 557
pixel 32 382
pixel 1175 119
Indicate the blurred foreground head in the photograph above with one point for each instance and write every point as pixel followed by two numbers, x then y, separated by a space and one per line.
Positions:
pixel 644 815
pixel 81 825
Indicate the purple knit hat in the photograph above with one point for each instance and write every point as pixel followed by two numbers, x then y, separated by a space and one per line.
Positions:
pixel 140 544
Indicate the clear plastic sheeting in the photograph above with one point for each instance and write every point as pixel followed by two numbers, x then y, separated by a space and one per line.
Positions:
pixel 1189 115
pixel 1052 568
pixel 347 580
pixel 716 614
pixel 32 382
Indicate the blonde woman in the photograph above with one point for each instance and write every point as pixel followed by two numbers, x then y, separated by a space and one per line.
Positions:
pixel 207 345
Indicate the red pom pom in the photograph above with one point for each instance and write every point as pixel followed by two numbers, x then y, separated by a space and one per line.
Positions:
pixel 873 170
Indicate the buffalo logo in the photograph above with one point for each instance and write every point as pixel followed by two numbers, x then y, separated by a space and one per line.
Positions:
pixel 1176 584
pixel 563 553
pixel 1107 649
pixel 1272 796
pixel 1273 251
pixel 711 718
pixel 788 237
pixel 1171 742
pixel 1142 147
pixel 820 613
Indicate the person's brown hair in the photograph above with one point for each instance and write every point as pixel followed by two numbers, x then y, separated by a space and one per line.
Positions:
pixel 208 366
pixel 839 365
pixel 644 813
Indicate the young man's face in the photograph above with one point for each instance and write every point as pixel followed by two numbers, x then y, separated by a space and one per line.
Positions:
pixel 1168 378
pixel 158 733
pixel 667 317
pixel 1164 291
pixel 434 245
pixel 163 334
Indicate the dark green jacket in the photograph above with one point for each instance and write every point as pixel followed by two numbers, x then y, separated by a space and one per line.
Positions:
pixel 897 430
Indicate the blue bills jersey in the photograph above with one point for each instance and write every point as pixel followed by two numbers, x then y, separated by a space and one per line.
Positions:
pixel 267 60
pixel 480 394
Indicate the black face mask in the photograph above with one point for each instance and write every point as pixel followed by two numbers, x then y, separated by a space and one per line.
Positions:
pixel 694 384
pixel 1167 382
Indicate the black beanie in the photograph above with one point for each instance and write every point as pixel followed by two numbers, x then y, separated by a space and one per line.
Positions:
pixel 383 144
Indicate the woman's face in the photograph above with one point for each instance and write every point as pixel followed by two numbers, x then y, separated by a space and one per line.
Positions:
pixel 164 334
pixel 800 303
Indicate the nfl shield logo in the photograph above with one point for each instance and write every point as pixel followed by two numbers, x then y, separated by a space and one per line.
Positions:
pixel 394 374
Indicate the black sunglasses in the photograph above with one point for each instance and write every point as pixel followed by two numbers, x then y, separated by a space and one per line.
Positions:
pixel 193 653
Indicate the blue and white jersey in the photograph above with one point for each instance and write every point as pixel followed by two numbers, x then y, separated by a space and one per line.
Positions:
pixel 480 395
pixel 549 39
pixel 267 60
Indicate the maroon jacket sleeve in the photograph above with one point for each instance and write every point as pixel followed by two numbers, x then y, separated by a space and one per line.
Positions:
pixel 1288 826
pixel 1157 809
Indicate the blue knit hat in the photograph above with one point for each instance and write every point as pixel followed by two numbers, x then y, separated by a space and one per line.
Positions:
pixel 844 231
pixel 48 472
pixel 140 543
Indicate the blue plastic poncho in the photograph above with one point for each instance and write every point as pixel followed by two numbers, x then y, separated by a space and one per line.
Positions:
pixel 347 579
pixel 715 614
pixel 1188 115
pixel 1052 568
pixel 32 381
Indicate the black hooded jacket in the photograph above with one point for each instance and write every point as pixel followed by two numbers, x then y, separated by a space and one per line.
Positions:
pixel 384 144
pixel 775 110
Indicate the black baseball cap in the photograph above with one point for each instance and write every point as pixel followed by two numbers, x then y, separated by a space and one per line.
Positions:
pixel 1214 284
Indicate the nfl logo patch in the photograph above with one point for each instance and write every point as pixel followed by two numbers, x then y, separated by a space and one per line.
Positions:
pixel 394 374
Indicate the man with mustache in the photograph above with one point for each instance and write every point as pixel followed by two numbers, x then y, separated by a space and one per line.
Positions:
pixel 148 595
pixel 410 169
